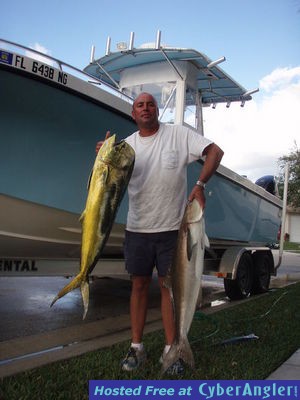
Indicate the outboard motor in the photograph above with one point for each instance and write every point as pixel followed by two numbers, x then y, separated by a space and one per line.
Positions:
pixel 268 183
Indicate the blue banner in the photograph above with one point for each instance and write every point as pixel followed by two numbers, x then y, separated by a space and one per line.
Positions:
pixel 192 390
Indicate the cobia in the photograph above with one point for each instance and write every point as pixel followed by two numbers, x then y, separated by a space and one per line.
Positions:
pixel 185 281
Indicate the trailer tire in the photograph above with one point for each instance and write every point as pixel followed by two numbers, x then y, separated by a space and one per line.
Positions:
pixel 263 262
pixel 239 288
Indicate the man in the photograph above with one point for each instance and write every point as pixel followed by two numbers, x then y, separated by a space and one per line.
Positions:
pixel 157 198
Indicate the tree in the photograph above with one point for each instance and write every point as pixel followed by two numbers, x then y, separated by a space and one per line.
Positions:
pixel 293 198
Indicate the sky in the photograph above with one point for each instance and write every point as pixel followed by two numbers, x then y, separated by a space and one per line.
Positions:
pixel 259 38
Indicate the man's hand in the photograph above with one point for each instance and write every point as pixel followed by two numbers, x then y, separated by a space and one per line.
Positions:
pixel 213 155
pixel 198 194
pixel 99 144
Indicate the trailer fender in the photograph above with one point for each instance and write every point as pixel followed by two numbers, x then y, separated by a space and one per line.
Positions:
pixel 230 260
pixel 231 257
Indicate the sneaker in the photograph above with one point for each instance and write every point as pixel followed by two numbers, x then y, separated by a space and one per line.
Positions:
pixel 134 358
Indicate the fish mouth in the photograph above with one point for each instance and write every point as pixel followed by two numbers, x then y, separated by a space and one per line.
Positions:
pixel 119 145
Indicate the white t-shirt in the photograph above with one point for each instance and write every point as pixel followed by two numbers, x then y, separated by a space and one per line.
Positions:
pixel 158 186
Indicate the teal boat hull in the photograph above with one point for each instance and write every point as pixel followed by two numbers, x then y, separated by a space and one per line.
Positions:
pixel 48 136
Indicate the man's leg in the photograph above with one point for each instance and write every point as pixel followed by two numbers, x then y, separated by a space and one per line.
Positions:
pixel 167 312
pixel 138 306
pixel 169 326
pixel 138 312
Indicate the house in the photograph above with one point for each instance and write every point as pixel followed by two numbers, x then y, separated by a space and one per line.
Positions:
pixel 292 224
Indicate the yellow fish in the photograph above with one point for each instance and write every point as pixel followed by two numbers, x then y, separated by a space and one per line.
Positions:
pixel 109 179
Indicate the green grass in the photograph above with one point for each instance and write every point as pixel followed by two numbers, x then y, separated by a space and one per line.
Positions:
pixel 290 246
pixel 273 317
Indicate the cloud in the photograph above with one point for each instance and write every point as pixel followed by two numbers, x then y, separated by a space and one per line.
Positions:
pixel 255 136
pixel 280 78
pixel 41 49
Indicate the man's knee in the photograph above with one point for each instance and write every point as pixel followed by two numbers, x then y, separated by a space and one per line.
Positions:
pixel 140 283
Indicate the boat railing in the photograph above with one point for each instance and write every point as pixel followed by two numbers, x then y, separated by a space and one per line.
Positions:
pixel 62 66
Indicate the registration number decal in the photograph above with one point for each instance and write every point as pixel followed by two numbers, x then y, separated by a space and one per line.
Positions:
pixel 33 66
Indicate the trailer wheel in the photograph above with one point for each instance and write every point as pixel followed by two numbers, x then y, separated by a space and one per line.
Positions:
pixel 262 272
pixel 240 287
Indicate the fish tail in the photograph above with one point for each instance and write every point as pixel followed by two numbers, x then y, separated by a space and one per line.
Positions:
pixel 186 353
pixel 84 287
pixel 75 283
pixel 179 351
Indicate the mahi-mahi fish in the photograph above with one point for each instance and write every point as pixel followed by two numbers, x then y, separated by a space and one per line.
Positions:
pixel 108 181
pixel 184 281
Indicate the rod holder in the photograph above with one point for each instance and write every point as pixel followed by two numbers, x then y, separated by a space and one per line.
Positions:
pixel 216 62
pixel 158 37
pixel 92 55
pixel 131 41
pixel 107 51
pixel 249 92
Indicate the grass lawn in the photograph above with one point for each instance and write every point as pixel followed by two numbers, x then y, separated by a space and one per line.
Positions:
pixel 290 246
pixel 274 317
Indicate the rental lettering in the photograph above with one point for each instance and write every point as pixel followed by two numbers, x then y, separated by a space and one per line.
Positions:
pixel 17 266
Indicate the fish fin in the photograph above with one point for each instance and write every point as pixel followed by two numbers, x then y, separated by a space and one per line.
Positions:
pixel 104 176
pixel 167 283
pixel 75 283
pixel 186 353
pixel 89 180
pixel 82 216
pixel 199 263
pixel 105 173
pixel 206 241
pixel 178 351
pixel 84 287
pixel 191 243
pixel 170 358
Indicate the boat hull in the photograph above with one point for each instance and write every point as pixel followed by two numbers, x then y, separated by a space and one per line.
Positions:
pixel 30 230
pixel 48 136
pixel 237 210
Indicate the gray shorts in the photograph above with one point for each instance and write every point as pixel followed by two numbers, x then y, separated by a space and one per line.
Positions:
pixel 144 251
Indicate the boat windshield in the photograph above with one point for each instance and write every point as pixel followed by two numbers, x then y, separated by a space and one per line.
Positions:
pixel 163 92
pixel 191 107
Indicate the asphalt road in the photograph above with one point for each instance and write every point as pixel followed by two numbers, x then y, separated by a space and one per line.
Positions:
pixel 25 302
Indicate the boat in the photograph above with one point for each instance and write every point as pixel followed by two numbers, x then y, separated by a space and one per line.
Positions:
pixel 52 115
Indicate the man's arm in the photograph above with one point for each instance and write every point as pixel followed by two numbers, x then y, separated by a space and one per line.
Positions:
pixel 213 158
